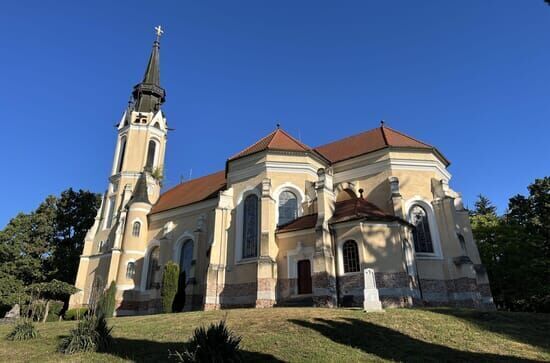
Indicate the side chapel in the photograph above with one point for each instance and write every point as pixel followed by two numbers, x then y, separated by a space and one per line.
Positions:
pixel 282 224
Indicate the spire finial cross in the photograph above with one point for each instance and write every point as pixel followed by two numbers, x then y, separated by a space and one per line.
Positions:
pixel 159 32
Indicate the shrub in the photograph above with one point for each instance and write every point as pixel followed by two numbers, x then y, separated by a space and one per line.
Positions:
pixel 169 285
pixel 24 330
pixel 106 303
pixel 215 344
pixel 55 310
pixel 91 334
pixel 75 314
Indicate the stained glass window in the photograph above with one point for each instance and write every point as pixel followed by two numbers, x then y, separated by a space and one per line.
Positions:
pixel 288 207
pixel 421 234
pixel 154 268
pixel 185 259
pixel 250 227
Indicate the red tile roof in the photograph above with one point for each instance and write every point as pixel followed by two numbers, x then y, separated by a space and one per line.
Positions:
pixel 277 140
pixel 192 191
pixel 369 141
pixel 356 208
pixel 347 210
pixel 303 222
pixel 208 186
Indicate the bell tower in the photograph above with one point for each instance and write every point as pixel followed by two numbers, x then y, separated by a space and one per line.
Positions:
pixel 134 179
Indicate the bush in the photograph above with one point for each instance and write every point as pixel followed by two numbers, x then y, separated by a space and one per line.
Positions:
pixel 215 344
pixel 75 314
pixel 55 310
pixel 24 330
pixel 106 303
pixel 169 285
pixel 91 334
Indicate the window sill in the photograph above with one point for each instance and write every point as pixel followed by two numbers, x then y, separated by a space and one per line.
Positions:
pixel 428 256
pixel 245 261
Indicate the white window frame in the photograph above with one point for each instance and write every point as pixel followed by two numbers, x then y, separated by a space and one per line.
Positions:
pixel 239 224
pixel 434 228
pixel 360 253
pixel 300 197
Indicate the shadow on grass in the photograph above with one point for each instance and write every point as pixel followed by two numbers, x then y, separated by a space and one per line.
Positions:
pixel 391 344
pixel 529 328
pixel 138 350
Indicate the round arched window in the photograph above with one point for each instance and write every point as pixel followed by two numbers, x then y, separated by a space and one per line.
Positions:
pixel 288 207
pixel 421 234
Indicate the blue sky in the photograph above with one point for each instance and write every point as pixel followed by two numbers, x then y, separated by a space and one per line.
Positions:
pixel 470 77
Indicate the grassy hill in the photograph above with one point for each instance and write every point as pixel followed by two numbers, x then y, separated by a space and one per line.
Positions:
pixel 310 334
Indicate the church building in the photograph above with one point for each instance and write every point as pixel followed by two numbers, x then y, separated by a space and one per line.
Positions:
pixel 282 224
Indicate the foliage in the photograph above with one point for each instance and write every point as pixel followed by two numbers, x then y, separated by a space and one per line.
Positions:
pixel 215 344
pixel 515 248
pixel 54 289
pixel 23 330
pixel 169 287
pixel 158 174
pixel 75 314
pixel 55 310
pixel 106 303
pixel 91 334
pixel 12 292
pixel 44 244
pixel 75 214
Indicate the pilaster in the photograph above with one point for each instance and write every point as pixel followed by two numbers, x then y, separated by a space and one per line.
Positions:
pixel 267 267
pixel 324 273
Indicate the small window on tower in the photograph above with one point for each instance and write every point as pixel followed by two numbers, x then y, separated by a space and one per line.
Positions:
pixel 136 229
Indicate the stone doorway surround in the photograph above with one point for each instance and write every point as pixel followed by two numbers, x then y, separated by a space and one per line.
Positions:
pixel 300 253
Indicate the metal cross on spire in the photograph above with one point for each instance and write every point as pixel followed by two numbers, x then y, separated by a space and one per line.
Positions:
pixel 159 32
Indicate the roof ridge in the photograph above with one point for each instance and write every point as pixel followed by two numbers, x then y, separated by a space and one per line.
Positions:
pixel 192 180
pixel 299 143
pixel 271 134
pixel 346 138
pixel 384 135
pixel 405 135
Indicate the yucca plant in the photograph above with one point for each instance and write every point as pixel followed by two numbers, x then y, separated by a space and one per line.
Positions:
pixel 215 344
pixel 91 334
pixel 23 330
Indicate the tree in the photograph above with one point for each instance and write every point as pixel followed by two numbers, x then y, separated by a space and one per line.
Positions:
pixel 76 212
pixel 515 248
pixel 25 243
pixel 46 243
pixel 52 290
pixel 169 287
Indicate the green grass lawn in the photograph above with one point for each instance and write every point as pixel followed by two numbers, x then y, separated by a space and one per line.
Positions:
pixel 311 334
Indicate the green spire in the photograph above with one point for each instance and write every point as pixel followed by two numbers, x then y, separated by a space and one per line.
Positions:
pixel 149 95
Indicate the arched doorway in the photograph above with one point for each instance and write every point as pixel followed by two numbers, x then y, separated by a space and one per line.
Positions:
pixel 304 277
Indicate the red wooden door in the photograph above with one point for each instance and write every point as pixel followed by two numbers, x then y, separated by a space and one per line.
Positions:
pixel 304 277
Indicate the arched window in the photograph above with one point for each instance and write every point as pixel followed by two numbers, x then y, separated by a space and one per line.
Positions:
pixel 350 254
pixel 153 268
pixel 421 234
pixel 130 270
pixel 136 228
pixel 121 154
pixel 250 226
pixel 288 207
pixel 462 242
pixel 151 154
pixel 100 246
pixel 186 258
